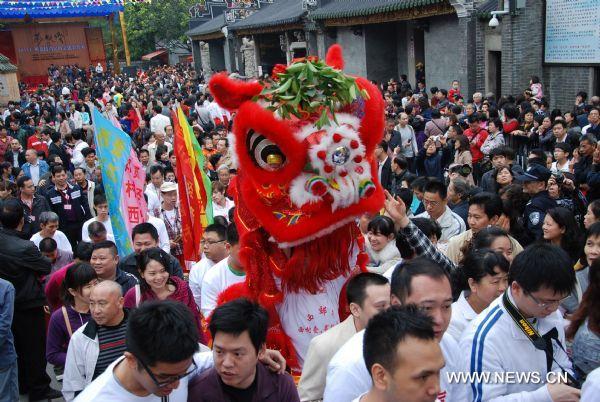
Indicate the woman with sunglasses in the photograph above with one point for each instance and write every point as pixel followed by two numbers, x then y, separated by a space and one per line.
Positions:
pixel 157 284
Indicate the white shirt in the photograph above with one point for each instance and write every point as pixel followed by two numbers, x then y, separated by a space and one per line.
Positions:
pixel 500 346
pixel 158 123
pixel 196 276
pixel 107 388
pixel 223 211
pixel 34 171
pixel 163 235
pixel 78 158
pixel 59 237
pixel 462 315
pixel 348 377
pixel 107 224
pixel 219 278
pixel 451 223
pixel 154 199
pixel 564 169
pixel 591 387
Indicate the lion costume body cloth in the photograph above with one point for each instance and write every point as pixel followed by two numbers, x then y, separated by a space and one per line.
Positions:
pixel 304 145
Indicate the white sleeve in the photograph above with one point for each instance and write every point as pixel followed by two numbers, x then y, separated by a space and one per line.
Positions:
pixel 491 362
pixel 74 374
pixel 591 387
pixel 345 383
pixel 84 233
pixel 163 236
pixel 195 282
pixel 209 293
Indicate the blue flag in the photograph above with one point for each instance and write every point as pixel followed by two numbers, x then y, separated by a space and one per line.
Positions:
pixel 113 147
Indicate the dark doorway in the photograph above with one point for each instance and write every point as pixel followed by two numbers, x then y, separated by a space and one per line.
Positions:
pixel 494 73
pixel 419 36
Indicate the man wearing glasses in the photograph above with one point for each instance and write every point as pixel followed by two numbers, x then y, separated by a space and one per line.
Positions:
pixel 161 356
pixel 435 200
pixel 522 332
pixel 214 249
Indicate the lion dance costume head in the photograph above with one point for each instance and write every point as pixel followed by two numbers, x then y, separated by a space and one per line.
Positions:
pixel 304 145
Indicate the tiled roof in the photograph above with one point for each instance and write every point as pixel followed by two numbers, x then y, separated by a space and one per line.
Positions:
pixel 208 27
pixel 6 66
pixel 281 12
pixel 359 8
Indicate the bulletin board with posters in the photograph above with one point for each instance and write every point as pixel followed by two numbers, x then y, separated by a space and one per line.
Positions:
pixel 37 46
pixel 572 32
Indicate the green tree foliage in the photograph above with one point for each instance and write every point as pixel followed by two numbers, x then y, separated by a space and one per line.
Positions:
pixel 161 22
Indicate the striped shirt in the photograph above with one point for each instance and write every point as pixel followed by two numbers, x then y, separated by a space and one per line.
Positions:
pixel 112 345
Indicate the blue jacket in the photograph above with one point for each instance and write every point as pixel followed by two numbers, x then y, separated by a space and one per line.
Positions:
pixel 8 356
pixel 44 168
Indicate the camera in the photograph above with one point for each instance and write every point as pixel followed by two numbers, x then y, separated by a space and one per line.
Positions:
pixel 559 178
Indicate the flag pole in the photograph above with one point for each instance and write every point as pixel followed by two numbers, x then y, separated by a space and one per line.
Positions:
pixel 124 33
pixel 113 38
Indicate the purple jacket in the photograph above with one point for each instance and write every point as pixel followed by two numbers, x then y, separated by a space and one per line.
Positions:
pixel 270 387
pixel 58 337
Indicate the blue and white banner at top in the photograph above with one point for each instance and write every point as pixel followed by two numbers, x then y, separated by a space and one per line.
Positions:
pixel 123 180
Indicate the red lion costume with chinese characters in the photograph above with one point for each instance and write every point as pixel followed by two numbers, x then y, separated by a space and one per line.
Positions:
pixel 306 173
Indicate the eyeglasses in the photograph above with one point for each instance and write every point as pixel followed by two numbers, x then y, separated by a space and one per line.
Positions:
pixel 432 203
pixel 209 242
pixel 169 379
pixel 545 304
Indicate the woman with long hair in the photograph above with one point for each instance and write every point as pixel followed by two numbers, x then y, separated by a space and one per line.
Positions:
pixel 75 312
pixel 462 154
pixel 561 229
pixel 584 329
pixel 381 245
pixel 483 278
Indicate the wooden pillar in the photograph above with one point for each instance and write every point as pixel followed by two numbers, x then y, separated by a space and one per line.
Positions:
pixel 113 38
pixel 124 33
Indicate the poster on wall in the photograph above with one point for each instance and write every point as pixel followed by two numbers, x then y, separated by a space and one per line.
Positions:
pixel 572 32
pixel 37 46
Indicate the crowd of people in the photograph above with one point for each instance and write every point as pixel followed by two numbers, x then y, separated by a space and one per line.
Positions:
pixel 484 261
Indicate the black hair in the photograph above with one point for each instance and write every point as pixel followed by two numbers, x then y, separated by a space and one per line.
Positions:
pixel 22 180
pixel 221 221
pixel 571 240
pixel 388 329
pixel 406 195
pixel 479 263
pixel 144 228
pixel 220 230
pixel 561 122
pixel 77 134
pixel 107 244
pixel 436 114
pixel 595 208
pixel 497 123
pixel 56 169
pixel 238 316
pixel 474 118
pixel 157 168
pixel 95 229
pixel 99 199
pixel 143 150
pixel 463 140
pixel 357 286
pixel 419 183
pixel 435 186
pixel 83 251
pixel 382 225
pixel 443 91
pixel 48 245
pixel 486 236
pixel 384 145
pixel 404 273
pixel 428 227
pixel 543 265
pixel 490 202
pixel 144 258
pixel 11 213
pixel 233 237
pixel 401 161
pixel 87 151
pixel 161 331
pixel 566 148
pixel 76 277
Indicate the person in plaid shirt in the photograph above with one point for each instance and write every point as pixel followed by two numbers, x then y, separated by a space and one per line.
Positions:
pixel 170 215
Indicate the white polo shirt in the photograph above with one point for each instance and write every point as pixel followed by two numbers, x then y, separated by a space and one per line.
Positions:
pixel 462 315
pixel 450 222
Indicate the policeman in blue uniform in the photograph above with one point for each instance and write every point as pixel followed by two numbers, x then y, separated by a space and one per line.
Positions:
pixel 534 183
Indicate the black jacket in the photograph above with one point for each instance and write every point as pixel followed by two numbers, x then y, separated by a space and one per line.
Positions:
pixel 77 200
pixel 10 157
pixel 22 265
pixel 386 174
pixel 61 152
pixel 128 264
pixel 32 216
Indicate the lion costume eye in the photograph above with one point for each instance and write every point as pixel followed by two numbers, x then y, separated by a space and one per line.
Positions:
pixel 263 152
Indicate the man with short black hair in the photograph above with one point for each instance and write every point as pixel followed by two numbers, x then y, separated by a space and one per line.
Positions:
pixel 33 205
pixel 384 173
pixel 561 135
pixel 402 356
pixel 485 209
pixel 239 331
pixel 96 232
pixel 423 283
pixel 101 207
pixel 145 236
pixel 69 203
pixel 522 332
pixel 435 199
pixel 90 165
pixel 23 265
pixel 367 294
pixel 215 248
pixel 157 178
pixel 104 260
pixel 459 192
pixel 58 257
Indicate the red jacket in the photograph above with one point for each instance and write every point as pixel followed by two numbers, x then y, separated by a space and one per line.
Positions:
pixel 34 142
pixel 476 144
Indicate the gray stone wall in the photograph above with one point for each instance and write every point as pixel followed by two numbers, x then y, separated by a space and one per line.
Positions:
pixel 354 51
pixel 204 50
pixel 442 56
pixel 248 51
